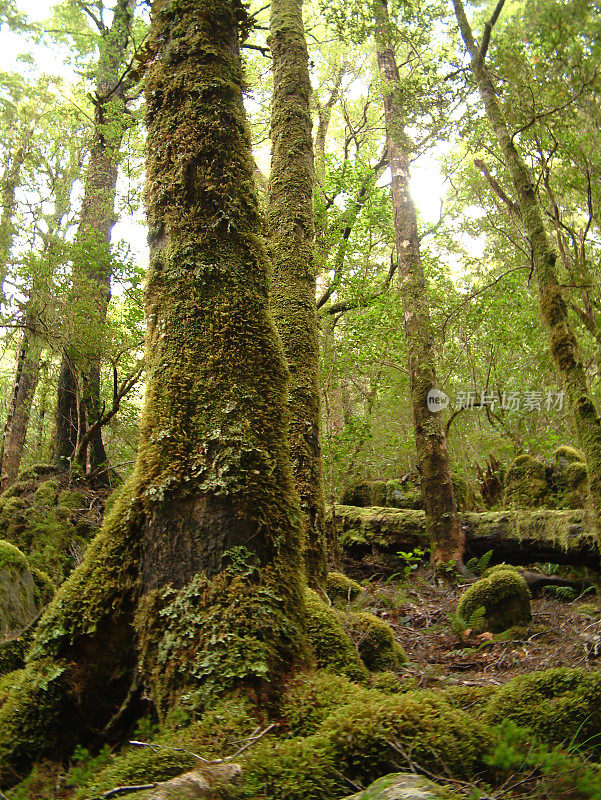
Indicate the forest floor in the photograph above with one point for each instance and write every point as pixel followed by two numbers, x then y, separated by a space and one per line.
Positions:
pixel 562 633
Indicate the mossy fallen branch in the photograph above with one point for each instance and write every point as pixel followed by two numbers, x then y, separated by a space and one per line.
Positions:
pixel 517 536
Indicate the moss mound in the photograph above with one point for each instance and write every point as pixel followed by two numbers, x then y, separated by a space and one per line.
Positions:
pixel 375 641
pixel 50 520
pixel 403 786
pixel 341 589
pixel 561 706
pixel 526 483
pixel 331 645
pixel 364 739
pixel 568 454
pixel 505 598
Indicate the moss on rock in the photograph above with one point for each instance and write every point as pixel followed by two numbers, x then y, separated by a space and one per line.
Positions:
pixel 341 589
pixel 73 499
pixel 526 483
pixel 403 786
pixel 561 706
pixel 46 494
pixel 332 647
pixel 567 453
pixel 374 640
pixel 505 598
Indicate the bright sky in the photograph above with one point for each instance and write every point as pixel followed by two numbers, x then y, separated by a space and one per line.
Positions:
pixel 427 185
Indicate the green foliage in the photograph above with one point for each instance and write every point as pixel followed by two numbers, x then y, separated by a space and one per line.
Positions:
pixel 475 622
pixel 478 566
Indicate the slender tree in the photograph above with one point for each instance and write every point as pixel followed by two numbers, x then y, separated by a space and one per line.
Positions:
pixel 292 292
pixel 554 311
pixel 195 582
pixel 78 398
pixel 446 534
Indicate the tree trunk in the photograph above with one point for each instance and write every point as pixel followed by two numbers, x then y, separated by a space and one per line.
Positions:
pixel 292 292
pixel 92 263
pixel 19 408
pixel 524 536
pixel 205 539
pixel 10 181
pixel 563 344
pixel 446 536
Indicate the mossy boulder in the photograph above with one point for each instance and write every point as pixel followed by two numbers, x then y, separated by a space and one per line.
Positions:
pixel 526 483
pixel 72 499
pixel 568 454
pixel 331 645
pixel 23 592
pixel 505 598
pixel 375 641
pixel 403 786
pixel 368 493
pixel 560 706
pixel 341 589
pixel 46 494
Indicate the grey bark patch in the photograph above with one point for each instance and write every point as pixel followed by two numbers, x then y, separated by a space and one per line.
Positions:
pixel 18 607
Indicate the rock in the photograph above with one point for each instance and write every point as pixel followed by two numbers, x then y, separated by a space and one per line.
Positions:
pixel 402 786
pixel 22 593
pixel 341 589
pixel 198 784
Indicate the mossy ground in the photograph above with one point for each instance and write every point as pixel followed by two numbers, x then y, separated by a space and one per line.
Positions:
pixel 51 517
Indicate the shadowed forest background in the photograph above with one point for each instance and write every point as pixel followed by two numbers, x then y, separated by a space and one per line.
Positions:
pixel 242 249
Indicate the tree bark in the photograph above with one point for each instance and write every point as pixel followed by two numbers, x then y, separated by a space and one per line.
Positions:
pixel 10 181
pixel 25 382
pixel 517 537
pixel 195 583
pixel 446 535
pixel 292 292
pixel 92 263
pixel 563 344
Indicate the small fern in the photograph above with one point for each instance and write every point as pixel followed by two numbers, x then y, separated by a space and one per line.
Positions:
pixel 461 625
pixel 563 592
pixel 478 566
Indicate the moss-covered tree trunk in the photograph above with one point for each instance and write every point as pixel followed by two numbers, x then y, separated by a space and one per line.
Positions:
pixel 446 535
pixel 292 291
pixel 10 181
pixel 563 344
pixel 198 566
pixel 80 370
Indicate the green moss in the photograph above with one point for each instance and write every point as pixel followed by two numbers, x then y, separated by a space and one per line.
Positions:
pixel 402 786
pixel 72 499
pixel 374 640
pixel 36 471
pixel 341 589
pixel 569 454
pixel 576 474
pixel 505 598
pixel 312 696
pixel 213 635
pixel 561 706
pixel 35 704
pixel 46 494
pixel 12 655
pixel 7 683
pixel 11 556
pixel 390 683
pixel 504 567
pixel 464 493
pixel 12 518
pixel 526 483
pixel 332 647
pixel 368 738
pixel 135 766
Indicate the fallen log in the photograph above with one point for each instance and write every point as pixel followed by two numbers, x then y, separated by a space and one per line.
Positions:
pixel 523 536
